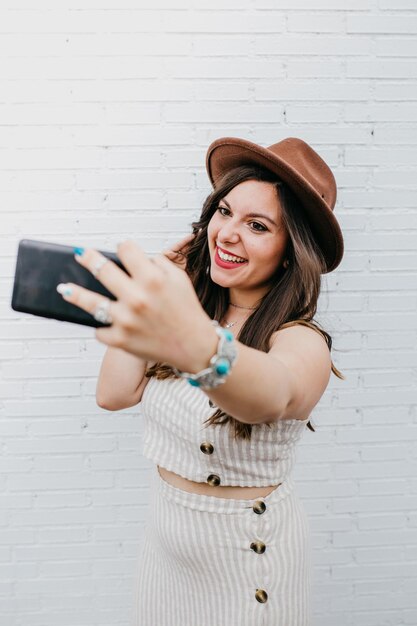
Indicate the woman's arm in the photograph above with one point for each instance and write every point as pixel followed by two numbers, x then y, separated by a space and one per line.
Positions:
pixel 119 380
pixel 158 316
pixel 285 383
pixel 122 375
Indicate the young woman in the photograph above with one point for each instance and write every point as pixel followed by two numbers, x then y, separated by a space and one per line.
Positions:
pixel 218 343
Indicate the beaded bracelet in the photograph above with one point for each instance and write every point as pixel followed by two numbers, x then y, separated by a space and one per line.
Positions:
pixel 220 363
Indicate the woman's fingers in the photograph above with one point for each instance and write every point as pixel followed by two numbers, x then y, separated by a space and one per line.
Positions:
pixel 107 272
pixel 163 264
pixel 123 287
pixel 185 240
pixel 84 298
pixel 177 253
pixel 140 266
pixel 178 247
pixel 89 301
pixel 173 254
pixel 177 258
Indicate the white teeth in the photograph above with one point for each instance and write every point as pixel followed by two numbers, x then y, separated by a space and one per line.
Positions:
pixel 229 257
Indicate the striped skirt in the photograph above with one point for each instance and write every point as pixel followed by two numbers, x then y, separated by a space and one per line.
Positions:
pixel 210 561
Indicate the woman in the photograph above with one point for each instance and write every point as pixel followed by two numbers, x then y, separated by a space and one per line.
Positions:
pixel 233 365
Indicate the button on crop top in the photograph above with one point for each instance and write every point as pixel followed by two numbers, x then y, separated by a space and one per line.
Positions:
pixel 176 438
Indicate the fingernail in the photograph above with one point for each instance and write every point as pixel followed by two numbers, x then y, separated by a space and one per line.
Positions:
pixel 64 289
pixel 79 251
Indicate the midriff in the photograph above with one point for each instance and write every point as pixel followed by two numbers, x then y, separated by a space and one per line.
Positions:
pixel 219 491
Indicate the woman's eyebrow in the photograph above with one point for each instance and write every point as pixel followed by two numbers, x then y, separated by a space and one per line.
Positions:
pixel 261 215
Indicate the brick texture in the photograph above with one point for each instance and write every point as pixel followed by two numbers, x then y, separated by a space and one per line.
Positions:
pixel 106 110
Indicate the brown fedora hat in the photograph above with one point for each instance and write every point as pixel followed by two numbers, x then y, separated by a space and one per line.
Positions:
pixel 302 169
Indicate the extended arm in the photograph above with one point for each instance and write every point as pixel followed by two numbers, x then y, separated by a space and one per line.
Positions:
pixel 158 317
pixel 285 383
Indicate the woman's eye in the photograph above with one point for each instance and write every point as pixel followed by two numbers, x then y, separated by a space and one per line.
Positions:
pixel 255 225
pixel 262 227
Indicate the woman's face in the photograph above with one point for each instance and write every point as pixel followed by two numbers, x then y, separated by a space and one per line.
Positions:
pixel 247 224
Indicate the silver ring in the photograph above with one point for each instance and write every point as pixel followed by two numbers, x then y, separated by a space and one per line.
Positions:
pixel 101 313
pixel 98 265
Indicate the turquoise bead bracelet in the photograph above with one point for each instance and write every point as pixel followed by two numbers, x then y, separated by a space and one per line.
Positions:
pixel 220 363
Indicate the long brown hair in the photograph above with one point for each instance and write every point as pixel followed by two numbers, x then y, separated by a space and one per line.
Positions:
pixel 293 297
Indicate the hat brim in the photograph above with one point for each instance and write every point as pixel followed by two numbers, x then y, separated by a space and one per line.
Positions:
pixel 228 152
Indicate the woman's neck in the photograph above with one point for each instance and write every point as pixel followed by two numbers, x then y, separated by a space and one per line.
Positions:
pixel 244 300
pixel 236 317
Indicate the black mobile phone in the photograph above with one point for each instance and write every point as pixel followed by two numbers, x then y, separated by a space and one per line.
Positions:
pixel 40 267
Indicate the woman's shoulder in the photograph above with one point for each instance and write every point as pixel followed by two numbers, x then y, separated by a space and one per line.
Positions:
pixel 298 328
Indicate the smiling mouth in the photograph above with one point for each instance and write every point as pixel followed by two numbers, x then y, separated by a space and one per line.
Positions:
pixel 229 258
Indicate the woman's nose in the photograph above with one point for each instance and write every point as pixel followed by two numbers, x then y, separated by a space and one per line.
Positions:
pixel 228 232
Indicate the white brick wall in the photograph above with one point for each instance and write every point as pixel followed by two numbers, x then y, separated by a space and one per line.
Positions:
pixel 106 110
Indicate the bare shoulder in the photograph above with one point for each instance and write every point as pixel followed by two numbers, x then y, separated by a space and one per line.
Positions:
pixel 305 353
pixel 292 335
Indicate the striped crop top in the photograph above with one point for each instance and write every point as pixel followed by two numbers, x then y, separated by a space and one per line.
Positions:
pixel 176 438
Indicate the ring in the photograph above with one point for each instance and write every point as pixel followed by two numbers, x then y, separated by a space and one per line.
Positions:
pixel 101 312
pixel 98 265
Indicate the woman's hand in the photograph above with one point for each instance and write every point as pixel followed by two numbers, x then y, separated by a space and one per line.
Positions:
pixel 177 254
pixel 157 315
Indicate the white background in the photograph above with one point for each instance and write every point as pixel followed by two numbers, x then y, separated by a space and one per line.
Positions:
pixel 107 108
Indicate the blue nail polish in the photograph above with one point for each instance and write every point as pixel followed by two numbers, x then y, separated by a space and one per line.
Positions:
pixel 64 289
pixel 79 251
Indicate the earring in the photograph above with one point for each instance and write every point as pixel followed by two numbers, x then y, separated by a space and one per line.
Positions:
pixel 207 269
pixel 286 263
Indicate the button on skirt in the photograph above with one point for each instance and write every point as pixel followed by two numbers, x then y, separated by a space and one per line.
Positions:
pixel 210 561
